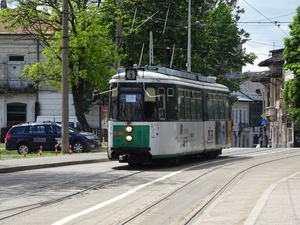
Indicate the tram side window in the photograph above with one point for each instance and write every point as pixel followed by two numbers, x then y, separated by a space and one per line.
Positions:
pixel 187 104
pixel 221 107
pixel 113 105
pixel 194 105
pixel 226 102
pixel 199 106
pixel 210 106
pixel 181 104
pixel 170 104
pixel 162 104
pixel 216 106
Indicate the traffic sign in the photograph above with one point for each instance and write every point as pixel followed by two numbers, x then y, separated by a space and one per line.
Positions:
pixel 264 116
pixel 263 122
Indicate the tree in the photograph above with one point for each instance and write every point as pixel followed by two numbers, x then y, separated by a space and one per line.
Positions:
pixel 215 36
pixel 91 49
pixel 291 54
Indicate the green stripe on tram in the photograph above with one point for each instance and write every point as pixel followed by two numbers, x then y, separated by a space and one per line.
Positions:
pixel 140 134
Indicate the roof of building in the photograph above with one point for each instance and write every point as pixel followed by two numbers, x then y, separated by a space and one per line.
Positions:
pixel 19 30
pixel 258 76
pixel 247 95
pixel 242 98
pixel 3 30
pixel 276 58
pixel 250 94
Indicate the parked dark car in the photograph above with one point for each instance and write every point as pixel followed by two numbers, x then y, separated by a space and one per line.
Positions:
pixel 30 136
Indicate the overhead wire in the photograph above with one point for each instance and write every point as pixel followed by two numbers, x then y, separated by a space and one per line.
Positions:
pixel 269 21
pixel 275 23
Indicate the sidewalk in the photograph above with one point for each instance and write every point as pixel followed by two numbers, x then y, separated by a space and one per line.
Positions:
pixel 14 165
pixel 280 204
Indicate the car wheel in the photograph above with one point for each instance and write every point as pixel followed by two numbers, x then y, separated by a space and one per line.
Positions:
pixel 78 147
pixel 23 149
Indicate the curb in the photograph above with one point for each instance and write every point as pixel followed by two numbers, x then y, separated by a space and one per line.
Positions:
pixel 42 166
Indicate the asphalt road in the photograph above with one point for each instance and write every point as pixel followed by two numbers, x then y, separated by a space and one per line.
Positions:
pixel 243 186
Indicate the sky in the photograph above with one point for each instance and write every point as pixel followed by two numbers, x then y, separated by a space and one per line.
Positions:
pixel 267 23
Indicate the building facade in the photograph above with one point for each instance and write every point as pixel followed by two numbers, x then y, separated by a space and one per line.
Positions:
pixel 19 100
pixel 246 115
pixel 280 126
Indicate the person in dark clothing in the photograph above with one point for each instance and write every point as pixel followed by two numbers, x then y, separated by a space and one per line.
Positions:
pixel 255 139
pixel 149 110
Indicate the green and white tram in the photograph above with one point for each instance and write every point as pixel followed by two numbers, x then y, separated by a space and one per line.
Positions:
pixel 158 114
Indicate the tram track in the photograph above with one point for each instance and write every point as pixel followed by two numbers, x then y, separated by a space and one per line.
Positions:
pixel 225 187
pixel 91 182
pixel 81 188
pixel 198 212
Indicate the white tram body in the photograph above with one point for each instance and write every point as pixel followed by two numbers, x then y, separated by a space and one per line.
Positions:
pixel 158 114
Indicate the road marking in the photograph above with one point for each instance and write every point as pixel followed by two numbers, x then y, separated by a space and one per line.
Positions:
pixel 96 207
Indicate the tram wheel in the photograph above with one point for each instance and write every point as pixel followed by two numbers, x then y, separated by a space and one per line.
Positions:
pixel 212 154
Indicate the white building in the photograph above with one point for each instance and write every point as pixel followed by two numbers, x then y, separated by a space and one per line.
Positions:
pixel 246 116
pixel 19 101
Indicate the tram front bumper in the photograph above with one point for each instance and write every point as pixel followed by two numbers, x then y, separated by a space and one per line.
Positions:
pixel 131 154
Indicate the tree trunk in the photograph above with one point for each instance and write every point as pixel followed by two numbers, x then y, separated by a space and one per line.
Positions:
pixel 77 92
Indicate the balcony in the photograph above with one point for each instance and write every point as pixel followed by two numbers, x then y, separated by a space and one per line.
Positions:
pixel 17 85
pixel 276 71
pixel 271 113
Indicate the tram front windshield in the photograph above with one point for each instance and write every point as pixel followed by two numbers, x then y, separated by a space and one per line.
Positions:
pixel 130 106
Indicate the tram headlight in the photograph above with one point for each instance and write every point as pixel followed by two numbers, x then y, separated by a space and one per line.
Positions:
pixel 129 129
pixel 129 138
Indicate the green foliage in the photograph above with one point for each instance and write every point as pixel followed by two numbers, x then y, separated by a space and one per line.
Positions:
pixel 291 46
pixel 91 50
pixel 92 32
pixel 233 83
pixel 291 52
pixel 291 98
pixel 215 34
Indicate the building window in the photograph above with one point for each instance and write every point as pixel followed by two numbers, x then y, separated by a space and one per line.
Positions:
pixel 16 113
pixel 16 58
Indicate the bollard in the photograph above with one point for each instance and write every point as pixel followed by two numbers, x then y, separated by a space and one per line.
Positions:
pixel 70 151
pixel 25 152
pixel 0 152
pixel 55 149
pixel 41 150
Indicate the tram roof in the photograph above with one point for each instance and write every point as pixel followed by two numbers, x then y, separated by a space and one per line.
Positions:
pixel 164 73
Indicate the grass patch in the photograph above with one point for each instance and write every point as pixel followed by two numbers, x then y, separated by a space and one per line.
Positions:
pixel 13 154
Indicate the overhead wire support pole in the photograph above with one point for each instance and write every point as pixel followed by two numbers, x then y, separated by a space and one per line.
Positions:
pixel 189 38
pixel 119 30
pixel 165 25
pixel 65 84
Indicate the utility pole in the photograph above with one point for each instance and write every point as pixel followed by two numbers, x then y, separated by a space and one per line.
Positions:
pixel 189 38
pixel 119 29
pixel 65 85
